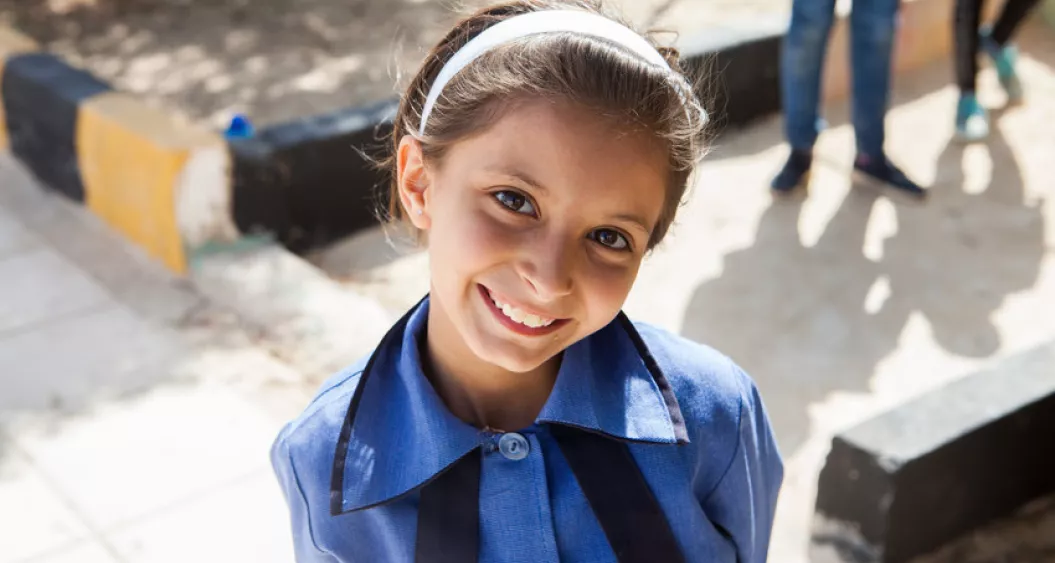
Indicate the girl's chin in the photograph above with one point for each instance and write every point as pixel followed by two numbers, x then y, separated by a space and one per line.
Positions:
pixel 510 355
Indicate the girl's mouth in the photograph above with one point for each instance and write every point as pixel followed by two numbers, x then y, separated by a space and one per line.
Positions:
pixel 518 320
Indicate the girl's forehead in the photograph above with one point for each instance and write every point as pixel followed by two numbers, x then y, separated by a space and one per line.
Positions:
pixel 566 152
pixel 560 142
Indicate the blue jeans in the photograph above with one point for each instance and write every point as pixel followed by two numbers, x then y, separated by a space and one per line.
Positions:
pixel 872 25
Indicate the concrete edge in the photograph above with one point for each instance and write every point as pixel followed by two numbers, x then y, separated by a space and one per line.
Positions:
pixel 918 476
pixel 162 182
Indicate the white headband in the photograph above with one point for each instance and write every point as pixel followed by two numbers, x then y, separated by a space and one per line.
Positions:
pixel 532 23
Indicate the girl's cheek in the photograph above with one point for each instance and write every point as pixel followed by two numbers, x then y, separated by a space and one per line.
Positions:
pixel 476 237
pixel 485 231
pixel 607 285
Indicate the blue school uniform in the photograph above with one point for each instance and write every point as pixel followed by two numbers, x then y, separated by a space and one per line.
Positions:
pixel 650 448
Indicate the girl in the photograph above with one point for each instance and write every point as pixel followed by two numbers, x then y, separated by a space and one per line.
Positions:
pixel 972 123
pixel 515 414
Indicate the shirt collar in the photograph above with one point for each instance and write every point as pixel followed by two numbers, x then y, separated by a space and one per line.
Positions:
pixel 608 383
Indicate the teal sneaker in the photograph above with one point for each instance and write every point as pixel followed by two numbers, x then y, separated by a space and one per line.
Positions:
pixel 1004 59
pixel 972 123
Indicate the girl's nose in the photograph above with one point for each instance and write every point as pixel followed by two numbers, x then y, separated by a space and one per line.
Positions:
pixel 548 268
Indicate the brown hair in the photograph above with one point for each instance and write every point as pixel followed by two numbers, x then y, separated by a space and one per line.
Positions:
pixel 582 69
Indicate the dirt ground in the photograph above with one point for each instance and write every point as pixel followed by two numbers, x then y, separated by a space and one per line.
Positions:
pixel 278 60
pixel 1027 537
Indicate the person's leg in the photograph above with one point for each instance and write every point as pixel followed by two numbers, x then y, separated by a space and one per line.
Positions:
pixel 872 43
pixel 871 50
pixel 966 20
pixel 1015 11
pixel 801 69
pixel 972 124
pixel 997 44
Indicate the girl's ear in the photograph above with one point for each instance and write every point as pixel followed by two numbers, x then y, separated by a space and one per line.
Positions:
pixel 413 182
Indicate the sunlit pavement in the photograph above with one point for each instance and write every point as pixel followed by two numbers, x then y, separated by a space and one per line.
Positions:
pixel 135 417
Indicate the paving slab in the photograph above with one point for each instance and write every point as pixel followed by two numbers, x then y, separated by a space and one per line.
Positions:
pixel 29 505
pixel 139 415
pixel 104 352
pixel 41 286
pixel 88 552
pixel 124 461
pixel 14 238
pixel 262 533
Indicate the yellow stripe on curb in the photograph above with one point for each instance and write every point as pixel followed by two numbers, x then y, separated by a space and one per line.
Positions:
pixel 136 160
pixel 11 43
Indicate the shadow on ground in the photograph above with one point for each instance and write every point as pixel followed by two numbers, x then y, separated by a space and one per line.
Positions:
pixel 809 320
pixel 287 59
pixel 290 59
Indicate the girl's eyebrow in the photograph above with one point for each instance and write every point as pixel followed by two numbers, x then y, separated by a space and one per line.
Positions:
pixel 635 220
pixel 522 176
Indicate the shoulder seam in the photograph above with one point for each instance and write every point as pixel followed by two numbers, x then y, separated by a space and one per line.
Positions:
pixel 739 441
pixel 304 499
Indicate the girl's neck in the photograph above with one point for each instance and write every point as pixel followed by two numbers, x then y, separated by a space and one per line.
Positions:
pixel 477 392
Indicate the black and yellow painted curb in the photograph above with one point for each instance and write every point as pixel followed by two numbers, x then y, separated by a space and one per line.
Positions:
pixel 161 182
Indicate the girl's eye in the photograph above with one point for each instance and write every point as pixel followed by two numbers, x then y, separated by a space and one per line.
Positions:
pixel 516 202
pixel 609 238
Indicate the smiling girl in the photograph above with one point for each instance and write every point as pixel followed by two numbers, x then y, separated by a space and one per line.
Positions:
pixel 515 414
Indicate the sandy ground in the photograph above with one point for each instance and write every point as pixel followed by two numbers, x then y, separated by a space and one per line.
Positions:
pixel 290 58
pixel 1028 537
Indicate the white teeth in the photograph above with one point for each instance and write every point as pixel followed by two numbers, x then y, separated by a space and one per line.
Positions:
pixel 526 319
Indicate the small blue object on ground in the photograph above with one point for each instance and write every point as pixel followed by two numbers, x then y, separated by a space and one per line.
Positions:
pixel 240 128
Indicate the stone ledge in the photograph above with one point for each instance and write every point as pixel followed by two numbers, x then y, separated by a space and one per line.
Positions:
pixel 917 477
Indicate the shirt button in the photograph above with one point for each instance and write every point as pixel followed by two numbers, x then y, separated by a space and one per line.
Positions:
pixel 513 446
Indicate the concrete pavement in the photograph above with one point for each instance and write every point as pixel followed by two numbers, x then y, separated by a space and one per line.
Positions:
pixel 135 416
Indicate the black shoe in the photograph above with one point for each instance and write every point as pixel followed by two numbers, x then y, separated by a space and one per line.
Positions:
pixel 795 174
pixel 882 171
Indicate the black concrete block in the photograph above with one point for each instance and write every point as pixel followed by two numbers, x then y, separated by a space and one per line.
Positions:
pixel 740 70
pixel 914 478
pixel 312 181
pixel 41 96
